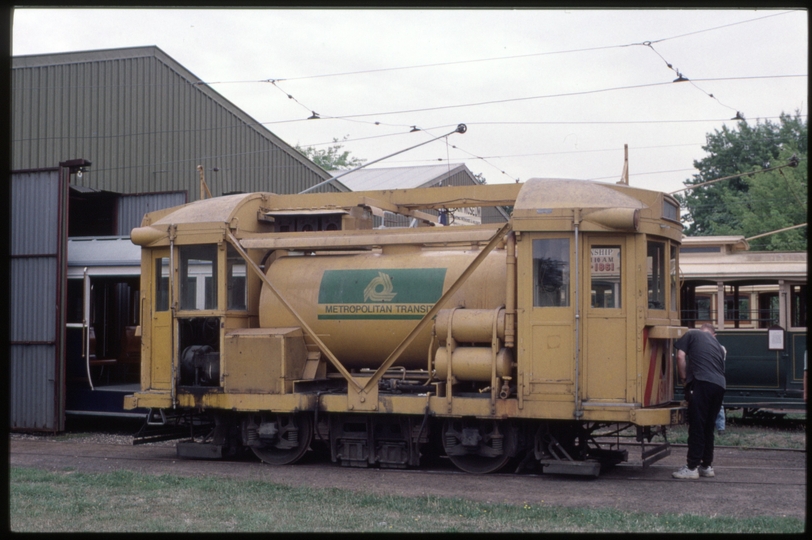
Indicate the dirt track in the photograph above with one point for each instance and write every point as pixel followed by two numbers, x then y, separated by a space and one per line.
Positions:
pixel 749 483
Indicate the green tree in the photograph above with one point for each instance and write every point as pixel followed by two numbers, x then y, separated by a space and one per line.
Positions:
pixel 773 200
pixel 729 207
pixel 331 158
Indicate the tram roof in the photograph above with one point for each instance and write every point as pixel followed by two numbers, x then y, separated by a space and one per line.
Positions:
pixel 103 251
pixel 725 258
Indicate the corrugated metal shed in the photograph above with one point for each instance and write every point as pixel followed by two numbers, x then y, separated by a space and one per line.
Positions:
pixel 36 297
pixel 145 122
pixel 131 208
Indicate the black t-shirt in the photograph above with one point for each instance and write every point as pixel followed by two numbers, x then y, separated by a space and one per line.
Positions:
pixel 706 358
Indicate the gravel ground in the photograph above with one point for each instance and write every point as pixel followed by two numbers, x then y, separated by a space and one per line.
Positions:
pixel 92 432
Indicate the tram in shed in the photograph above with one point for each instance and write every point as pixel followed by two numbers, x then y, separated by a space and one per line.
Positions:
pixel 757 301
pixel 103 343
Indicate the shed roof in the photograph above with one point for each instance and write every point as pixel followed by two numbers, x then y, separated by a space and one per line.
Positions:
pixel 400 177
pixel 148 121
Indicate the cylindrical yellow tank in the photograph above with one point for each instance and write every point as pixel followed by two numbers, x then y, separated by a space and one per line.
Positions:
pixel 473 363
pixel 362 306
pixel 470 325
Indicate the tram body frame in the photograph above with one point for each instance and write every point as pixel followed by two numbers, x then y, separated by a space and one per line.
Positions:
pixel 576 367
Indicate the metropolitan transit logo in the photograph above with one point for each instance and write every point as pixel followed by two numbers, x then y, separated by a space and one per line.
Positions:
pixel 380 293
pixel 385 294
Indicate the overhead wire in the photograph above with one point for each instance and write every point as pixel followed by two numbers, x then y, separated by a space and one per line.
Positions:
pixel 649 44
pixel 497 58
pixel 548 96
pixel 356 117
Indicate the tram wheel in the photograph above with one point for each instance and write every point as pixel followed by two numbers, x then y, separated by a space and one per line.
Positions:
pixel 290 442
pixel 478 446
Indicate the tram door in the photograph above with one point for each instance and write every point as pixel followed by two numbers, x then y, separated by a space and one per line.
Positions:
pixel 605 341
pixel 158 338
pixel 547 323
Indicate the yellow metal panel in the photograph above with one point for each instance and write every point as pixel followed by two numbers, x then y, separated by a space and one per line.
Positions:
pixel 148 400
pixel 158 329
pixel 249 402
pixel 605 358
pixel 664 416
pixel 359 400
pixel 553 354
pixel 667 332
pixel 259 360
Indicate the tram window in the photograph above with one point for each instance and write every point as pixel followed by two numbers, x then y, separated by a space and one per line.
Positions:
pixel 655 262
pixel 236 280
pixel 551 272
pixel 673 271
pixel 730 309
pixel 703 308
pixel 670 210
pixel 799 305
pixel 605 271
pixel 162 284
pixel 768 308
pixel 198 277
pixel 73 312
pixel 189 292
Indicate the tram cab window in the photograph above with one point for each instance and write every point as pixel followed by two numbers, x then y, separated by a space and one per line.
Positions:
pixel 605 271
pixel 162 284
pixel 551 272
pixel 655 262
pixel 236 270
pixel 198 277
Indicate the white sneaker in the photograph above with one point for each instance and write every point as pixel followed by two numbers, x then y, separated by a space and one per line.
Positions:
pixel 685 473
pixel 706 472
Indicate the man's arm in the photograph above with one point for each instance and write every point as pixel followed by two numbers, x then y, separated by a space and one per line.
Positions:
pixel 681 365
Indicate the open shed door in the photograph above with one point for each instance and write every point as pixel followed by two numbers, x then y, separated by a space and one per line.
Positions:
pixel 38 280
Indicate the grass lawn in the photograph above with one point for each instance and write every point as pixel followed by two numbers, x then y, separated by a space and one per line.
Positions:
pixel 125 501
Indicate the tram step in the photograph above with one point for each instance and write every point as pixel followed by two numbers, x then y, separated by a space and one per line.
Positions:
pixel 581 468
pixel 192 450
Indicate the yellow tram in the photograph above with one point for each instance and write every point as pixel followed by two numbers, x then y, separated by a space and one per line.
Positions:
pixel 290 321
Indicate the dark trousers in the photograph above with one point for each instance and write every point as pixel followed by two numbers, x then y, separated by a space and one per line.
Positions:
pixel 704 401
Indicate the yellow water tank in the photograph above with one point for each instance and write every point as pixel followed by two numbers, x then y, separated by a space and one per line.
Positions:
pixel 363 305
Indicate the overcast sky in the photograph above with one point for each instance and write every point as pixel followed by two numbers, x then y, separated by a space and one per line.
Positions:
pixel 544 93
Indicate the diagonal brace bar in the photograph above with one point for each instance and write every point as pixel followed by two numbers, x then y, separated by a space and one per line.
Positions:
pixel 330 356
pixel 427 318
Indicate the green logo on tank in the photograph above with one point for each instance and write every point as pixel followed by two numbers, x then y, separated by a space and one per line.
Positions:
pixel 381 293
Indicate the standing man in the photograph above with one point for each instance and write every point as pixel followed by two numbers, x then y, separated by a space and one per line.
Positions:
pixel 701 366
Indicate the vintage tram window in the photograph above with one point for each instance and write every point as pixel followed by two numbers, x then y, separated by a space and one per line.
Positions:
pixel 673 271
pixel 703 308
pixel 551 272
pixel 162 284
pixel 768 309
pixel 670 210
pixel 799 305
pixel 656 274
pixel 605 272
pixel 236 269
pixel 198 277
pixel 737 306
